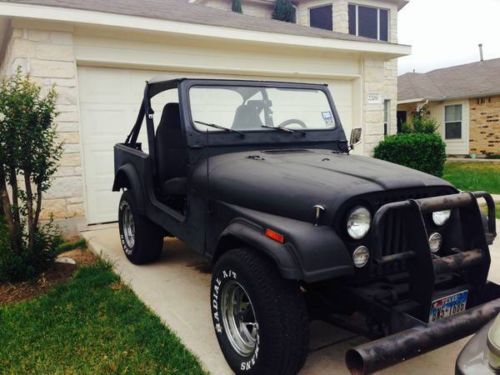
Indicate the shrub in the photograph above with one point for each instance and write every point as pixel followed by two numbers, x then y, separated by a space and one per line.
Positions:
pixel 236 6
pixel 424 152
pixel 29 153
pixel 284 11
pixel 420 123
pixel 29 261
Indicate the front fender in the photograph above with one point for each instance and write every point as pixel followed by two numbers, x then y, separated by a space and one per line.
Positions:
pixel 310 253
pixel 251 234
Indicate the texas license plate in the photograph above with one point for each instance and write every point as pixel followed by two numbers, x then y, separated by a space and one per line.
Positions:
pixel 449 305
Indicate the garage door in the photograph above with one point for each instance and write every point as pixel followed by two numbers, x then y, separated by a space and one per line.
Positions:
pixel 109 100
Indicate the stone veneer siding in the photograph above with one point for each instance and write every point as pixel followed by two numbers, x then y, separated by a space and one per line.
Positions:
pixel 484 125
pixel 48 57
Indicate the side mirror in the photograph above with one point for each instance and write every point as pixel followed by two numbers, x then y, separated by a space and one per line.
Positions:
pixel 355 137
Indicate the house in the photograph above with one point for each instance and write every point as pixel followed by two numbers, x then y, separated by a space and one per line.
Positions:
pixel 99 53
pixel 463 99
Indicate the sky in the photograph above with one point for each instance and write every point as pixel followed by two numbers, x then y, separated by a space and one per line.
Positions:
pixel 444 33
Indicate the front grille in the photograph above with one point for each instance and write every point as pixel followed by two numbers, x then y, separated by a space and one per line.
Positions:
pixel 394 240
pixel 394 227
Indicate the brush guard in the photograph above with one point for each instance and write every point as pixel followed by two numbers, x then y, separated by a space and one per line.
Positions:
pixel 410 334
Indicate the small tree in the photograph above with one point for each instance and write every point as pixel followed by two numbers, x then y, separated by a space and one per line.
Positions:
pixel 420 122
pixel 236 6
pixel 284 11
pixel 29 153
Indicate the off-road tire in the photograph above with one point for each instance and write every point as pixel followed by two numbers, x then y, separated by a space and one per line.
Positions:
pixel 148 237
pixel 280 312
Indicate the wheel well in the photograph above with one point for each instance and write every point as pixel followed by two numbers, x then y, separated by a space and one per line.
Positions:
pixel 121 181
pixel 230 242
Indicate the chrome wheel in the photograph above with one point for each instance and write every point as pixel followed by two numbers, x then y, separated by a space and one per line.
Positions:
pixel 128 228
pixel 238 318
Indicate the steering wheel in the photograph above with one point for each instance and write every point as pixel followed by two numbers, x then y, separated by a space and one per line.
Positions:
pixel 301 123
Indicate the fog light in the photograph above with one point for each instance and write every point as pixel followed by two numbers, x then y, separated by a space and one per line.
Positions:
pixel 360 256
pixel 435 241
pixel 441 217
pixel 494 345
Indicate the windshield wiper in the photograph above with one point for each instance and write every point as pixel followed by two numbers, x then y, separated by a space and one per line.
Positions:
pixel 283 129
pixel 220 127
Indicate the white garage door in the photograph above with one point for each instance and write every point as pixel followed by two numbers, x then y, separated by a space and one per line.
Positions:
pixel 109 102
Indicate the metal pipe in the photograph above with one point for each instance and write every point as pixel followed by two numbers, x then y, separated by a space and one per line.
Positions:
pixel 388 351
pixel 491 210
pixel 458 261
pixel 444 202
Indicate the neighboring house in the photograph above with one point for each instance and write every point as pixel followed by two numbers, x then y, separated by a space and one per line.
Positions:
pixel 463 99
pixel 99 53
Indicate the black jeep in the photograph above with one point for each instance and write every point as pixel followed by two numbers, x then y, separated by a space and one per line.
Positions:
pixel 258 177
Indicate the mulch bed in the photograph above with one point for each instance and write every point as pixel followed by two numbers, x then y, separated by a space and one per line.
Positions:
pixel 56 274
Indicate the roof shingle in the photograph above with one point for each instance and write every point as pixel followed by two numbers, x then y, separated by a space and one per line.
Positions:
pixel 462 81
pixel 182 11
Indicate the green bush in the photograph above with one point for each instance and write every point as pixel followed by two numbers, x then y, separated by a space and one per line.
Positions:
pixel 29 261
pixel 424 152
pixel 284 11
pixel 420 123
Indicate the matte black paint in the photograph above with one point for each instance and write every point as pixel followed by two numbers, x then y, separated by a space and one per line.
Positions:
pixel 238 187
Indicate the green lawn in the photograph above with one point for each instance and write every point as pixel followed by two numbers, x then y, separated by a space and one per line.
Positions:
pixel 92 324
pixel 484 209
pixel 471 176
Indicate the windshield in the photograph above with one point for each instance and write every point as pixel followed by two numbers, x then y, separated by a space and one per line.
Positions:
pixel 246 108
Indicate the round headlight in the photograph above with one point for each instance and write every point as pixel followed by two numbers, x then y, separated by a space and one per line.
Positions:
pixel 441 217
pixel 494 345
pixel 358 222
pixel 360 256
pixel 435 241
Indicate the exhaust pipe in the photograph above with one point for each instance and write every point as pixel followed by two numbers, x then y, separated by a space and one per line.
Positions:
pixel 385 352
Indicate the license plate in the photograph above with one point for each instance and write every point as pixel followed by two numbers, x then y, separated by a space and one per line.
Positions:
pixel 448 305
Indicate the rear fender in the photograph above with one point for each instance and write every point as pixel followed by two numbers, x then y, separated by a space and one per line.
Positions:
pixel 127 177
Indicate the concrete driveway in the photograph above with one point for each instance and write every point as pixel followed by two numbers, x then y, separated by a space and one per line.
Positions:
pixel 177 289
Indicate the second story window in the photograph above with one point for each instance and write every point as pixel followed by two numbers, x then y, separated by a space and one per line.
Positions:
pixel 369 22
pixel 321 17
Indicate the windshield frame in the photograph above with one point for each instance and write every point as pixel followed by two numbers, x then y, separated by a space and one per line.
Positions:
pixel 196 137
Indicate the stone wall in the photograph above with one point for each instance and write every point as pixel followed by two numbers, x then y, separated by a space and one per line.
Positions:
pixel 485 125
pixel 379 78
pixel 48 57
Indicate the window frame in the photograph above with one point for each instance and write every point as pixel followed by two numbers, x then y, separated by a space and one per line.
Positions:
pixel 356 20
pixel 387 116
pixel 317 7
pixel 461 138
pixel 296 13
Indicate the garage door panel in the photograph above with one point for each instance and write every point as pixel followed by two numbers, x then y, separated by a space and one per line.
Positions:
pixel 109 102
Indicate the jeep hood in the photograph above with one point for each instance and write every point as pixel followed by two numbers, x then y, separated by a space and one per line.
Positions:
pixel 290 182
